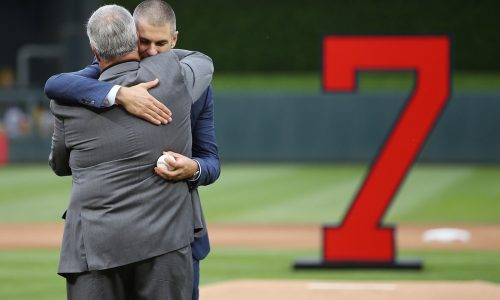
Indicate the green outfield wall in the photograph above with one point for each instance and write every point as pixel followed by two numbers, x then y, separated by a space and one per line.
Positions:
pixel 317 127
pixel 306 127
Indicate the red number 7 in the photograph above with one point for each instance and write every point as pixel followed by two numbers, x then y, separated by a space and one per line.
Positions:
pixel 361 239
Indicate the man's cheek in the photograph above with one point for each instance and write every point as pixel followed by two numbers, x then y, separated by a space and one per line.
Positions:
pixel 164 49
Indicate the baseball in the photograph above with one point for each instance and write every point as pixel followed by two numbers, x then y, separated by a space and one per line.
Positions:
pixel 161 162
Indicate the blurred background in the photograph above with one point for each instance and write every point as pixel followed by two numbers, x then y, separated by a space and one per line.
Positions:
pixel 291 154
pixel 268 57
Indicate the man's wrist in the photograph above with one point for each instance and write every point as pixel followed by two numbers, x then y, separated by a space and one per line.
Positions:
pixel 110 99
pixel 197 173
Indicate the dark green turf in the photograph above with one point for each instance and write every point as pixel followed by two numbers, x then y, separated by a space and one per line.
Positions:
pixel 28 275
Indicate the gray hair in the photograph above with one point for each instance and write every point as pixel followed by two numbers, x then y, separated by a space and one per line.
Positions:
pixel 156 13
pixel 112 32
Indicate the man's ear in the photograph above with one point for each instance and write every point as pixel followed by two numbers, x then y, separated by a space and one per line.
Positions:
pixel 174 38
pixel 96 55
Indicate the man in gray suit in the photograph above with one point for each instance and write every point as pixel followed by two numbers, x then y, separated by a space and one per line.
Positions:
pixel 127 231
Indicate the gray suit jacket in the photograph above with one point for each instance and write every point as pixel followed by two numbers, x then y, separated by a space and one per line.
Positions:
pixel 120 211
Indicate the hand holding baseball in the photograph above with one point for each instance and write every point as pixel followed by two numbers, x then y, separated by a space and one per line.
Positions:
pixel 165 161
pixel 177 167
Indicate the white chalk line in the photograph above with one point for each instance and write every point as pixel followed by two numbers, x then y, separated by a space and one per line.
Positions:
pixel 352 286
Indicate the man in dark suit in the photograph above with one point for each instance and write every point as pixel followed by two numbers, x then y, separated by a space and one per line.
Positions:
pixel 127 231
pixel 156 25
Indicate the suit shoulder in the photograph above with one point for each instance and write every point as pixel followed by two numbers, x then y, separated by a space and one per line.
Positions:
pixel 55 107
pixel 162 59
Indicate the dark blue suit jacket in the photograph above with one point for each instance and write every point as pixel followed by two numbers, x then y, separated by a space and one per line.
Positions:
pixel 82 87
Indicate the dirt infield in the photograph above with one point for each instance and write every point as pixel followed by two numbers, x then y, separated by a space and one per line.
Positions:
pixel 408 236
pixel 323 290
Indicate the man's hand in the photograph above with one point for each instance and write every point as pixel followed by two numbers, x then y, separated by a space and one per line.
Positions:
pixel 183 168
pixel 138 102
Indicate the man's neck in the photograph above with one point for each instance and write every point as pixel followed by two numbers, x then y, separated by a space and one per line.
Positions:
pixel 131 56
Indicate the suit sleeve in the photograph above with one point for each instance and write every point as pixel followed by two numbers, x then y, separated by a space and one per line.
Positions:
pixel 59 153
pixel 79 87
pixel 204 141
pixel 197 69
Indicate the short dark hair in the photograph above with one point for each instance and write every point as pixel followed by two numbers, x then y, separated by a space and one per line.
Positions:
pixel 156 13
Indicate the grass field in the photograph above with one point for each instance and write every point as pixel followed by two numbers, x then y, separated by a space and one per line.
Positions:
pixel 274 193
pixel 37 267
pixel 286 193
